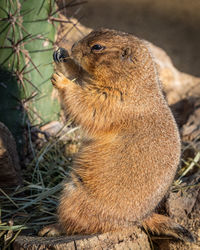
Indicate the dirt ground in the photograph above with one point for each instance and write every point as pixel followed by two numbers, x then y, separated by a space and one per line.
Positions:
pixel 171 25
pixel 174 27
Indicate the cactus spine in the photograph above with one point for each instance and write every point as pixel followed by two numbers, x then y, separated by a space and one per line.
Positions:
pixel 27 34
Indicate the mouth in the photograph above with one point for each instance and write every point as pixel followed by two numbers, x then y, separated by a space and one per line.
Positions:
pixel 60 55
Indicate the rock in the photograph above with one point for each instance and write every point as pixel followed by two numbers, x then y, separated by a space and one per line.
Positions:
pixel 181 204
pixel 190 131
pixel 191 222
pixel 52 128
pixel 131 239
pixel 10 170
pixel 181 89
pixel 176 85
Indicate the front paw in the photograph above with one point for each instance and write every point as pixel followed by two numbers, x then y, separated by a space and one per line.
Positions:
pixel 59 81
pixel 51 230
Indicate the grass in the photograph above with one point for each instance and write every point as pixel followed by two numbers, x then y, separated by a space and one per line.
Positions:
pixel 190 164
pixel 33 205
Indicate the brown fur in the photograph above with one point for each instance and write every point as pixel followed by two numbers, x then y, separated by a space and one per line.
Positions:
pixel 129 160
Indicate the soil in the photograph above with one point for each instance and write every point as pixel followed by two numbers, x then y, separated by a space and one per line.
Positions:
pixel 174 27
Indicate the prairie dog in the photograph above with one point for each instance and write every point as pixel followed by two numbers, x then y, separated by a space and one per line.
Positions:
pixel 109 85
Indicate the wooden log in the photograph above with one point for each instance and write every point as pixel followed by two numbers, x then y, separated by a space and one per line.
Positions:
pixel 130 239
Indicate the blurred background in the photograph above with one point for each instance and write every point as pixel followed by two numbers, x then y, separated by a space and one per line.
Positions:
pixel 37 142
pixel 171 25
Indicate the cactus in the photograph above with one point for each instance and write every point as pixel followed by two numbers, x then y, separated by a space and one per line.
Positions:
pixel 27 33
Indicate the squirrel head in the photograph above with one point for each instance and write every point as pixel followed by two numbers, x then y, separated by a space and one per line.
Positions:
pixel 108 54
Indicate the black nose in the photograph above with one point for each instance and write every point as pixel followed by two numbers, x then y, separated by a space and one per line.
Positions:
pixel 60 54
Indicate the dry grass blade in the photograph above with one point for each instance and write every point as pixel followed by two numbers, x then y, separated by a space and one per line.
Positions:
pixel 10 199
pixel 188 168
pixel 34 205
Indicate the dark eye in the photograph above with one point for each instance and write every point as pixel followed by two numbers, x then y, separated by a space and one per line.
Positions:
pixel 97 47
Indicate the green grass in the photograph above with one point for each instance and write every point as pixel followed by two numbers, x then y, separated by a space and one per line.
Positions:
pixel 33 205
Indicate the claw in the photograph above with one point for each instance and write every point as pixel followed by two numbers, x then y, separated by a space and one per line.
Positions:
pixel 59 81
pixel 51 230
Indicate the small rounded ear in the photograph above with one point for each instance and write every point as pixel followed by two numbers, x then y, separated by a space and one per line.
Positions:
pixel 126 52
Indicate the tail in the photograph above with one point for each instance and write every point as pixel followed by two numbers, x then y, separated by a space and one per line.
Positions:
pixel 160 224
